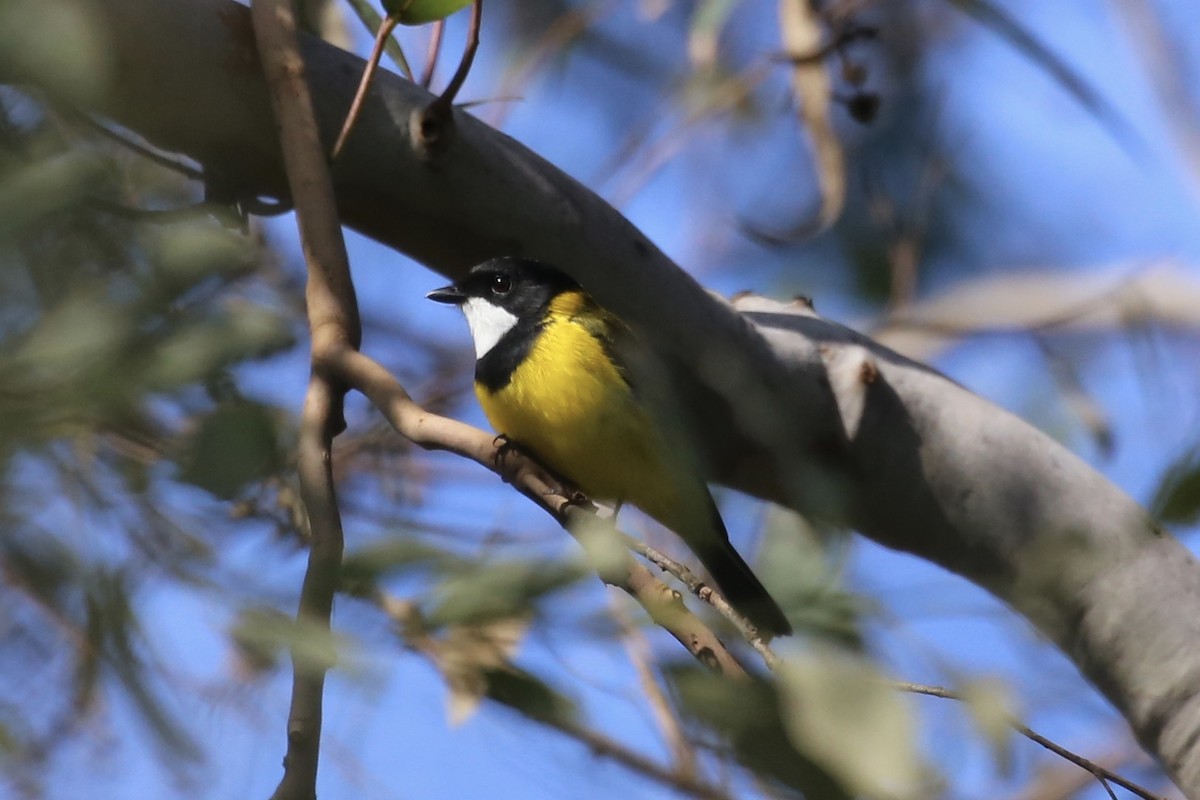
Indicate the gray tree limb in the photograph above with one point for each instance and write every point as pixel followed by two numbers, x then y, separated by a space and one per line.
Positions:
pixel 794 408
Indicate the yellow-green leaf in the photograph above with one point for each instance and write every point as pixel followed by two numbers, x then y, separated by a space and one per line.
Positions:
pixel 846 716
pixel 419 12
pixel 991 707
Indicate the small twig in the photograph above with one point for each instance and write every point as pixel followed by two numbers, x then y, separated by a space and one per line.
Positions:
pixel 709 595
pixel 684 755
pixel 431 55
pixel 844 37
pixel 446 98
pixel 164 216
pixel 568 26
pixel 1126 289
pixel 432 127
pixel 372 20
pixel 385 30
pixel 655 155
pixel 1062 779
pixel 1101 773
pixel 143 150
pixel 406 615
pixel 800 25
pixel 602 745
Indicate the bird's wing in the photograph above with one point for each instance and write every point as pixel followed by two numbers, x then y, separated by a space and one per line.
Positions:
pixel 618 341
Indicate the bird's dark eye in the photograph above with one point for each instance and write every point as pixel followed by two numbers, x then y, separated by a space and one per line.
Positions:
pixel 501 284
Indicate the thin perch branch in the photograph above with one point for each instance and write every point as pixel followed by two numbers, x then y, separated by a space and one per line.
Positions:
pixel 433 432
pixel 708 594
pixel 442 104
pixel 669 724
pixel 1101 773
pixel 800 25
pixel 431 54
pixel 386 26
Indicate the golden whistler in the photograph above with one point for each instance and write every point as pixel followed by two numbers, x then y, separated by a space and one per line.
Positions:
pixel 567 380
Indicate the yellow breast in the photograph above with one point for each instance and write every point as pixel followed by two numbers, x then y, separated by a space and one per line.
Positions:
pixel 570 406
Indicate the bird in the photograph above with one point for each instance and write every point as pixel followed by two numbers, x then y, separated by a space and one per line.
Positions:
pixel 568 381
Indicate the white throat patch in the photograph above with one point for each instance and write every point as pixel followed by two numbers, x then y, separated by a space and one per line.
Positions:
pixel 488 323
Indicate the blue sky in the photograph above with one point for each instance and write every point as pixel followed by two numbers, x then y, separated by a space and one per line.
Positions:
pixel 1050 189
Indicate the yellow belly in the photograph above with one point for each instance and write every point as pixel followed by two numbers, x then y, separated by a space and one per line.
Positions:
pixel 568 405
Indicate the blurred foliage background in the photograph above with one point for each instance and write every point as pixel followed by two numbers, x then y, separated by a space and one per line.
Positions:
pixel 1020 185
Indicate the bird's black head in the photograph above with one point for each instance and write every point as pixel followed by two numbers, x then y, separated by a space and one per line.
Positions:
pixel 519 286
pixel 505 299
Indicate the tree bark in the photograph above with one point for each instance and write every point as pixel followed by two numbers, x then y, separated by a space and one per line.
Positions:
pixel 794 408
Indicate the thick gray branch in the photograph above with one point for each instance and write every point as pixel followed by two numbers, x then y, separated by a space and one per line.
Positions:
pixel 794 408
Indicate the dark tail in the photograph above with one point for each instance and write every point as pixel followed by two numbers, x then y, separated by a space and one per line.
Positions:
pixel 692 514
pixel 744 592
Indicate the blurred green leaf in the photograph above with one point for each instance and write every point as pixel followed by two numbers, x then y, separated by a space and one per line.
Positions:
pixel 116 332
pixel 44 186
pixel 371 20
pixel 42 564
pixel 233 447
pixel 528 695
pixel 990 704
pixel 186 254
pixel 794 563
pixel 604 551
pixel 196 349
pixel 57 44
pixel 708 20
pixel 327 19
pixel 844 714
pixel 476 662
pixel 498 590
pixel 419 12
pixel 9 741
pixel 1177 499
pixel 747 713
pixel 363 567
pixel 85 333
pixel 263 635
pixel 112 647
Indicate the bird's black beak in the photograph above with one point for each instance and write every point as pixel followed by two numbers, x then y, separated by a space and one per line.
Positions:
pixel 450 295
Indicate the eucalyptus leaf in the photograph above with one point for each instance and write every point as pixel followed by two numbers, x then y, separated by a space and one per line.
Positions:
pixel 493 591
pixel 262 635
pixel 746 712
pixel 59 44
pixel 798 564
pixel 233 447
pixel 419 12
pixel 188 253
pixel 708 20
pixel 1177 499
pixel 990 705
pixel 530 696
pixel 39 188
pixel 199 349
pixel 362 567
pixel 844 714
